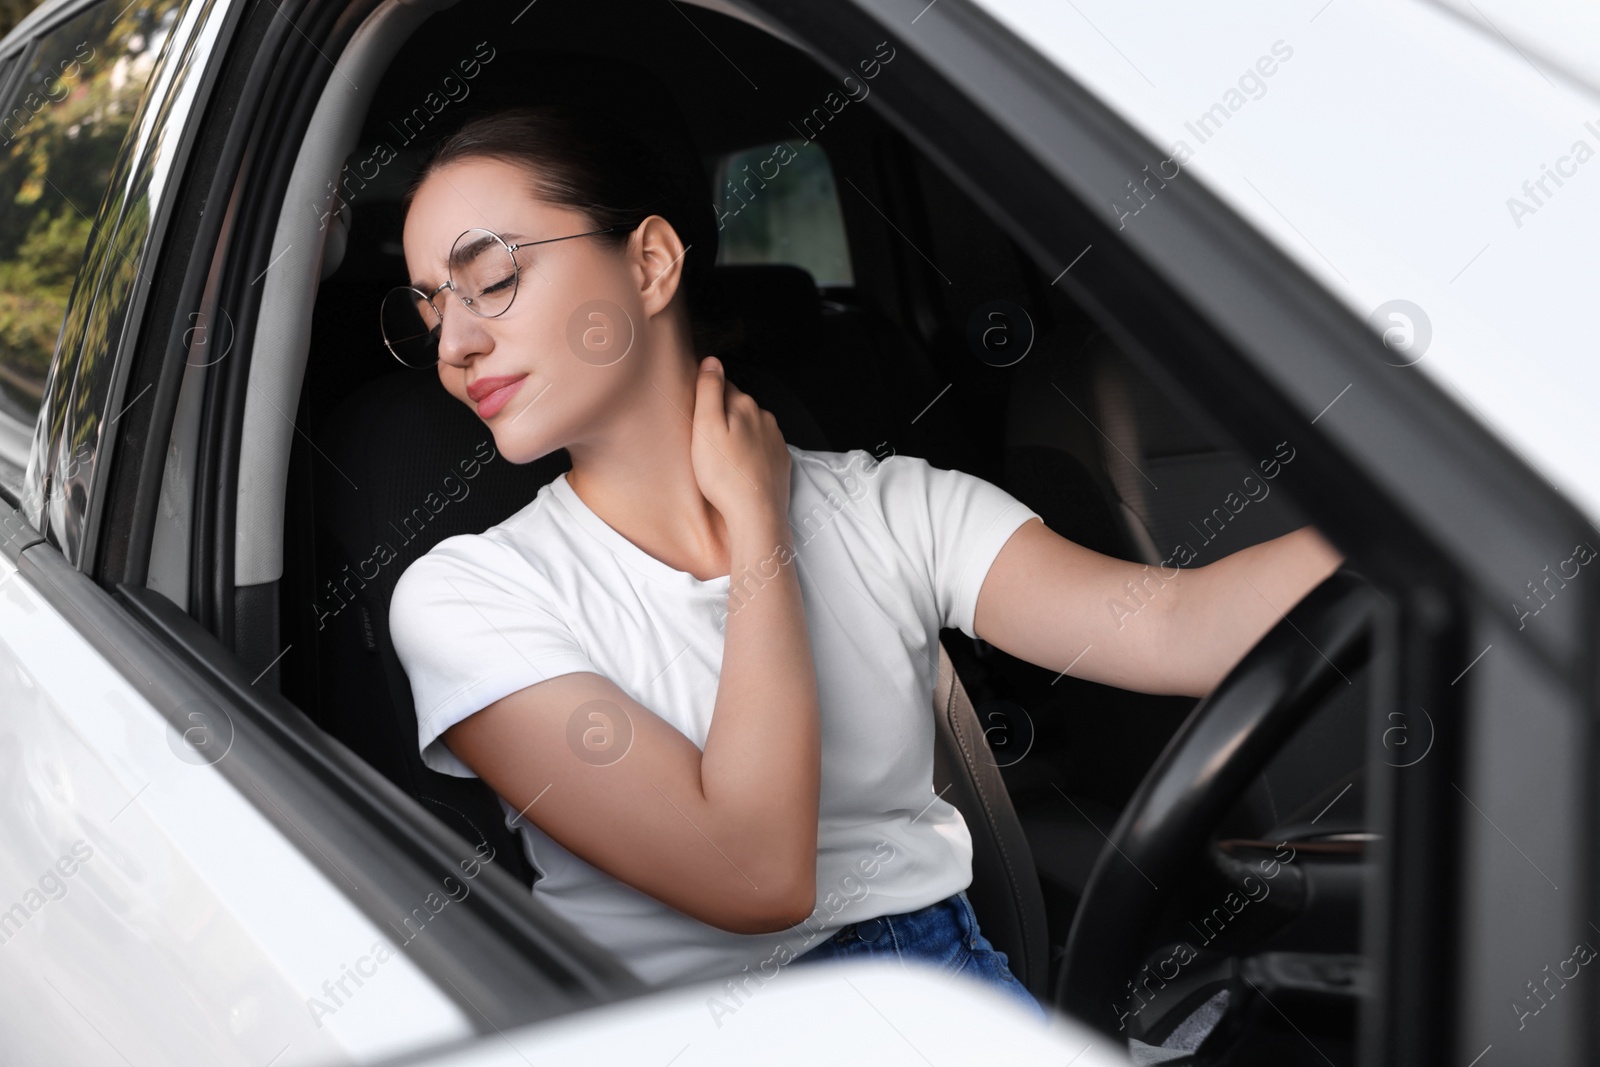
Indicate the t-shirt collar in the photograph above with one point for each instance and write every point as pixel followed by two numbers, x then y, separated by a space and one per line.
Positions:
pixel 626 550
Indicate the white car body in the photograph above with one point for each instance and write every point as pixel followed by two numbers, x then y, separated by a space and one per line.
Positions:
pixel 1453 110
pixel 175 918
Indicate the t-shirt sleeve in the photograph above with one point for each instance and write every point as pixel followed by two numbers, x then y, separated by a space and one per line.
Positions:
pixel 952 525
pixel 470 626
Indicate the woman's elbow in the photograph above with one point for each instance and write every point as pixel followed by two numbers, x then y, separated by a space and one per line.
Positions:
pixel 773 911
pixel 802 901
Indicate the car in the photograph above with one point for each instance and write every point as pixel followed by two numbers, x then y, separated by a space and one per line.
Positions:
pixel 1180 279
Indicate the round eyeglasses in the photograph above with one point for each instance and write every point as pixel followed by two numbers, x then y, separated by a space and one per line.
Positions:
pixel 484 276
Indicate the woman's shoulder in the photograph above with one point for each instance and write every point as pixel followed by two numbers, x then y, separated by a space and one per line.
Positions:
pixel 856 474
pixel 840 465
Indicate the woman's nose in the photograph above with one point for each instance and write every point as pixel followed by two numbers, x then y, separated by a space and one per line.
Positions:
pixel 461 333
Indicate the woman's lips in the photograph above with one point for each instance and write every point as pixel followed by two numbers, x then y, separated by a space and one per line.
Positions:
pixel 491 404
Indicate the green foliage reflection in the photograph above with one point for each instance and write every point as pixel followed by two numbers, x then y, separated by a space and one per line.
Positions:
pixel 60 132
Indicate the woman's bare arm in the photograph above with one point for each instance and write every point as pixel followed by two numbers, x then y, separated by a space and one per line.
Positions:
pixel 1176 630
pixel 727 835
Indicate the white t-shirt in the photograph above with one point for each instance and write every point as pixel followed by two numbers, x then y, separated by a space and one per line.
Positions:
pixel 888 552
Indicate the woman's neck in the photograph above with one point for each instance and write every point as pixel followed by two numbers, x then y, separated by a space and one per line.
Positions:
pixel 637 475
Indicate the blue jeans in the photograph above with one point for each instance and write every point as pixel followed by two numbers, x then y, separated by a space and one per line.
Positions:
pixel 945 935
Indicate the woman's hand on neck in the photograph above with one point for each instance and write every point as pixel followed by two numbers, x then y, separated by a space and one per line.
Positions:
pixel 637 472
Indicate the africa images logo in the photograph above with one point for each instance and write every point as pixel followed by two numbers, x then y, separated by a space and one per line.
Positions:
pixel 1210 123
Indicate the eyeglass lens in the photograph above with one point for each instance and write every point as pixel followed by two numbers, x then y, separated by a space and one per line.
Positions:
pixel 483 274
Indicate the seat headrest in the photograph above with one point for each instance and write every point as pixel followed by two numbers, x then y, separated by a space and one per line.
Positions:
pixel 781 311
pixel 760 286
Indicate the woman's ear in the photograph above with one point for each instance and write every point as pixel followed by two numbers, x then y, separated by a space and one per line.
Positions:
pixel 659 257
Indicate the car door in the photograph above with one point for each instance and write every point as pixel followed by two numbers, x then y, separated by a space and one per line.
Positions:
pixel 135 921
pixel 183 880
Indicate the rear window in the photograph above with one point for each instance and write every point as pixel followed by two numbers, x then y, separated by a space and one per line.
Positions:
pixel 777 204
pixel 61 126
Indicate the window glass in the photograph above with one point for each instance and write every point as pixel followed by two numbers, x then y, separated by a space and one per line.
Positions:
pixel 778 205
pixel 61 126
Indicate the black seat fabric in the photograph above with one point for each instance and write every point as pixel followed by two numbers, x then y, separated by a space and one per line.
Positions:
pixel 407 470
pixel 859 374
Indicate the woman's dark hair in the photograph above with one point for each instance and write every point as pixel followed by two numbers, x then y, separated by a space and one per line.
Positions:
pixel 581 158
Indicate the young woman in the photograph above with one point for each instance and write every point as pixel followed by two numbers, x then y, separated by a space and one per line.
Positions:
pixel 697 668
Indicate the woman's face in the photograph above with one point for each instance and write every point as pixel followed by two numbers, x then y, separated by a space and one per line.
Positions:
pixel 572 341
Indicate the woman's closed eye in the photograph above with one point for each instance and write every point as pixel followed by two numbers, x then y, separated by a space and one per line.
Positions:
pixel 496 287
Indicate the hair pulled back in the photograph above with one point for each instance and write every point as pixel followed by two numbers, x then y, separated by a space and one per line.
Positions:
pixel 579 157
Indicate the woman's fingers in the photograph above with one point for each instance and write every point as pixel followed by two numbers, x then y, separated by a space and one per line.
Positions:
pixel 738 453
pixel 709 398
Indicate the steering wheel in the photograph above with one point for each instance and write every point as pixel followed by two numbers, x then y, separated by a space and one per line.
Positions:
pixel 1221 748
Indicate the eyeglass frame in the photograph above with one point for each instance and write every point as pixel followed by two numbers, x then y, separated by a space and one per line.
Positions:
pixel 448 283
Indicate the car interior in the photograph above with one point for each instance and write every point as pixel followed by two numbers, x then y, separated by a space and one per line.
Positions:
pixel 860 291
